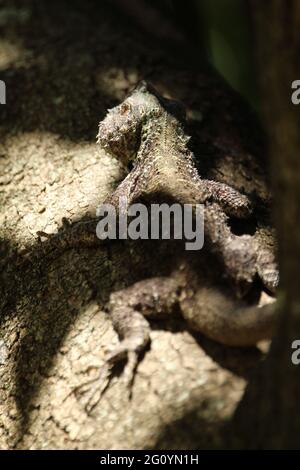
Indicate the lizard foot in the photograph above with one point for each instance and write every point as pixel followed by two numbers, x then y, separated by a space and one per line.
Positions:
pixel 91 391
pixel 157 298
pixel 131 355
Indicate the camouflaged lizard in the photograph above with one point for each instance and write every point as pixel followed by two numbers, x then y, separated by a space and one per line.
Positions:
pixel 146 132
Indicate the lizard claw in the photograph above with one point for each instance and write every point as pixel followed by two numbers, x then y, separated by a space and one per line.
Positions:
pixel 132 358
pixel 93 389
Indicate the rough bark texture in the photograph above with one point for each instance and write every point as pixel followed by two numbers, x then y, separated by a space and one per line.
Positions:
pixel 269 415
pixel 63 68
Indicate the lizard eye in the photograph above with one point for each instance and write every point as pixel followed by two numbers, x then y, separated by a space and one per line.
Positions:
pixel 124 108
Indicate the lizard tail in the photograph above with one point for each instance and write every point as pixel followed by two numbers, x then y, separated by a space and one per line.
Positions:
pixel 216 316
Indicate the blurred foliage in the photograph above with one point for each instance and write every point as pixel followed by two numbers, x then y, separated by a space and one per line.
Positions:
pixel 221 30
pixel 229 42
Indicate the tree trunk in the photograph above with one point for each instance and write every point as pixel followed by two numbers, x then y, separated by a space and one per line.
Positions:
pixel 268 415
pixel 63 68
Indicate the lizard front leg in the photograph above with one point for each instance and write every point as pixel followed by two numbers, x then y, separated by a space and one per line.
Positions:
pixel 244 256
pixel 233 203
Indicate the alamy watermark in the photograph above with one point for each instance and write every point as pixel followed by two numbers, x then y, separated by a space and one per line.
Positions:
pixel 295 358
pixel 295 97
pixel 2 92
pixel 157 221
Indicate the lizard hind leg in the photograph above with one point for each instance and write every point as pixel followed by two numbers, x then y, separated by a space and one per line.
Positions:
pixel 154 298
pixel 129 309
pixel 134 332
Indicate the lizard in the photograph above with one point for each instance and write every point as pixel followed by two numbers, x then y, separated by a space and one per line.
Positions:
pixel 146 133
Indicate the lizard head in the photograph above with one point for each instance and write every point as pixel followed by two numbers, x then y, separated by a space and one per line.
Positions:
pixel 120 131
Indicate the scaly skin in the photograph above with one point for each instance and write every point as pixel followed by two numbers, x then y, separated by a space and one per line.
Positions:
pixel 164 171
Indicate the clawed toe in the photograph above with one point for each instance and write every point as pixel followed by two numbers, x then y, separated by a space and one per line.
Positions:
pixel 92 390
pixel 130 366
